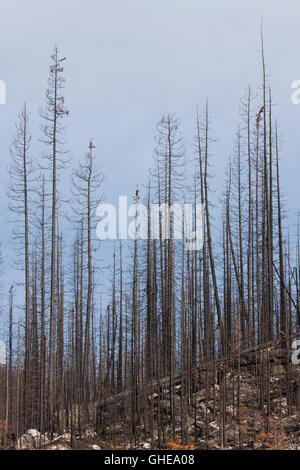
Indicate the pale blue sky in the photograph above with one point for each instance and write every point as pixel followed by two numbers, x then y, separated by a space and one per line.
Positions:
pixel 130 61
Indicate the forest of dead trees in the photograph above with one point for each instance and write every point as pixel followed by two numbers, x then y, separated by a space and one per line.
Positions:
pixel 169 310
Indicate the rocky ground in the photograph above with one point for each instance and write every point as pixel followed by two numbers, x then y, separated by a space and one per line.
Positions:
pixel 210 422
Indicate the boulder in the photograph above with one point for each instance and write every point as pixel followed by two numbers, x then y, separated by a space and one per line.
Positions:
pixel 31 439
pixel 95 447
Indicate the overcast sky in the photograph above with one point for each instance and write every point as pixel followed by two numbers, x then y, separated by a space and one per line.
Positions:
pixel 130 61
